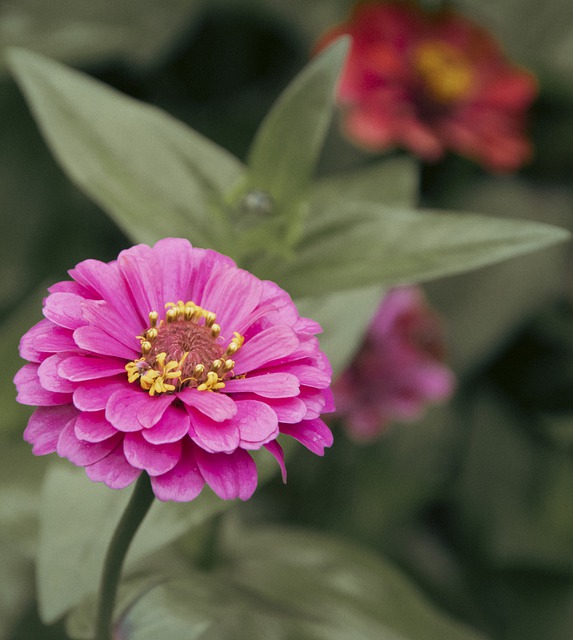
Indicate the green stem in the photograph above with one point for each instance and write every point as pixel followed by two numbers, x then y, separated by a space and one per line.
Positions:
pixel 137 507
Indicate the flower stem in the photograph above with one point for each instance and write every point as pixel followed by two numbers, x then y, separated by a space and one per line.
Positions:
pixel 137 507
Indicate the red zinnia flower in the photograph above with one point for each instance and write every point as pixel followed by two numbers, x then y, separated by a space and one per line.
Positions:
pixel 432 81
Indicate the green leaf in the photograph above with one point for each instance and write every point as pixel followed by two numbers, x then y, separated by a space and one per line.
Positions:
pixel 345 316
pixel 90 32
pixel 21 476
pixel 391 182
pixel 78 517
pixel 358 244
pixel 152 174
pixel 287 145
pixel 286 584
pixel 514 492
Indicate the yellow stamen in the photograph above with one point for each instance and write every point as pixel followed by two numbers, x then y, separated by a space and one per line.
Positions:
pixel 212 383
pixel 447 74
pixel 156 374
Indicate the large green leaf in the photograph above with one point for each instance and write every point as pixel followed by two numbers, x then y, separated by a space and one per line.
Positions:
pixel 78 517
pixel 359 244
pixel 285 584
pixel 151 173
pixel 287 145
pixel 390 182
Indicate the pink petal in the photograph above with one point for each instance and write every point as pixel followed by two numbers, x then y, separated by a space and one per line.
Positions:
pixel 309 375
pixel 69 286
pixel 230 475
pixel 93 395
pixel 216 406
pixel 64 310
pixel 231 294
pixel 80 368
pixel 123 406
pixel 313 434
pixel 120 324
pixel 96 340
pixel 173 426
pixel 50 378
pixel 26 348
pixel 286 409
pixel 93 427
pixel 329 405
pixel 269 385
pixel 257 423
pixel 106 281
pixel 206 263
pixel 82 453
pixel 44 337
pixel 307 325
pixel 114 470
pixel 156 459
pixel 272 343
pixel 45 425
pixel 277 451
pixel 183 483
pixel 151 412
pixel 140 269
pixel 31 392
pixel 175 257
pixel 214 436
pixel 315 401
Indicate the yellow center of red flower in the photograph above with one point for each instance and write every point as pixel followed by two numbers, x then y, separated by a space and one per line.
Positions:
pixel 446 73
pixel 182 351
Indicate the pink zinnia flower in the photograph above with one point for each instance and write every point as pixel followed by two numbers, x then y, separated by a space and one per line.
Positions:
pixel 173 361
pixel 399 368
pixel 431 81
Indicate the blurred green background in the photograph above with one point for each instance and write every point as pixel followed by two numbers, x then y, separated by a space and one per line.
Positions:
pixel 475 502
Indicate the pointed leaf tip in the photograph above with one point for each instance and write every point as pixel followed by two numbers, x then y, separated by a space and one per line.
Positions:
pixel 287 145
pixel 155 176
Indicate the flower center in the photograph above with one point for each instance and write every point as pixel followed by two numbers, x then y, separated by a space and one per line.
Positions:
pixel 182 351
pixel 446 73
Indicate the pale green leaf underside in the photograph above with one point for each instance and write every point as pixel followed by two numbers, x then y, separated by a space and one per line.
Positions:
pixel 390 182
pixel 287 145
pixel 354 244
pixel 280 585
pixel 154 176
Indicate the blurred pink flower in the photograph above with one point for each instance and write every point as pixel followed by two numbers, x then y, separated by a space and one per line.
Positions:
pixel 399 368
pixel 432 81
pixel 173 361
